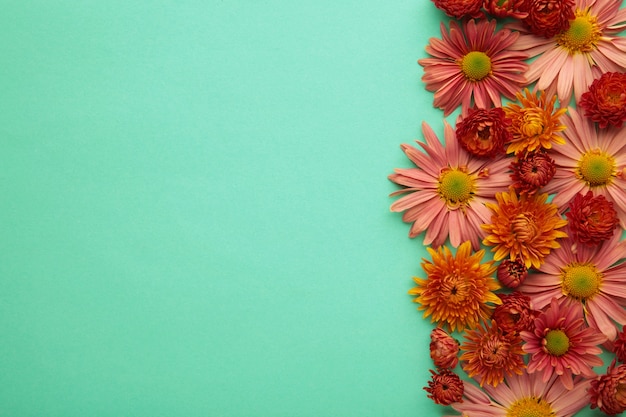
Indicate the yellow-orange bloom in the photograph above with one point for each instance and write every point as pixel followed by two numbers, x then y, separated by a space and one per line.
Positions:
pixel 524 227
pixel 535 123
pixel 458 291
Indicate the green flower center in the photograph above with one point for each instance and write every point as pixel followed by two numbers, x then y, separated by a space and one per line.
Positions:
pixel 530 407
pixel 556 342
pixel 455 187
pixel 476 65
pixel 581 281
pixel 596 168
pixel 582 35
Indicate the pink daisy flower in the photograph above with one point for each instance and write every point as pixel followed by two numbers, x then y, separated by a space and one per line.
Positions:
pixel 524 395
pixel 447 190
pixel 473 60
pixel 589 276
pixel 591 160
pixel 562 343
pixel 572 58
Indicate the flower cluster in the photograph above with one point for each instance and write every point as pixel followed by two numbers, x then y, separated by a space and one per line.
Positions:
pixel 522 207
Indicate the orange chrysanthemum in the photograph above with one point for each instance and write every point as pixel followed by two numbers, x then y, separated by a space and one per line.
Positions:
pixel 524 227
pixel 489 354
pixel 459 290
pixel 534 122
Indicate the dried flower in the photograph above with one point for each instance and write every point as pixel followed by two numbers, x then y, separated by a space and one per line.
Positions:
pixel 444 387
pixel 458 292
pixel 489 354
pixel 591 219
pixel 532 171
pixel 535 123
pixel 515 313
pixel 608 392
pixel 516 9
pixel 605 102
pixel 548 17
pixel 460 8
pixel 443 349
pixel 483 132
pixel 524 228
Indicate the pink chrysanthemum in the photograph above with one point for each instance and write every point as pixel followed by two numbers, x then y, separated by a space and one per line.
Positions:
pixel 524 395
pixel 572 58
pixel 591 160
pixel 562 343
pixel 473 61
pixel 447 190
pixel 591 276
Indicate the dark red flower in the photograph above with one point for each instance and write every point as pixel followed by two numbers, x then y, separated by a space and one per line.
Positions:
pixel 608 391
pixel 516 9
pixel 460 8
pixel 483 132
pixel 605 102
pixel 445 387
pixel 549 17
pixel 532 171
pixel 512 273
pixel 515 313
pixel 591 219
pixel 443 349
pixel 619 346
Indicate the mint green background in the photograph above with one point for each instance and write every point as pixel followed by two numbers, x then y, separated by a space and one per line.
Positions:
pixel 195 213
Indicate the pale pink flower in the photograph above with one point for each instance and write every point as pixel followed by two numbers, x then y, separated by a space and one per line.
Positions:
pixel 473 61
pixel 572 59
pixel 562 344
pixel 591 159
pixel 524 395
pixel 590 276
pixel 447 190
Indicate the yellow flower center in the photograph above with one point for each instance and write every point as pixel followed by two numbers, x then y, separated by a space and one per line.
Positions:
pixel 530 407
pixel 455 187
pixel 556 342
pixel 596 168
pixel 476 65
pixel 581 281
pixel 583 33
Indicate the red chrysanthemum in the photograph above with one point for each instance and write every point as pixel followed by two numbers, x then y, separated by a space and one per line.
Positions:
pixel 619 346
pixel 443 349
pixel 548 17
pixel 591 219
pixel 490 354
pixel 511 273
pixel 460 8
pixel 445 387
pixel 605 102
pixel 608 392
pixel 517 9
pixel 515 313
pixel 483 132
pixel 532 171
